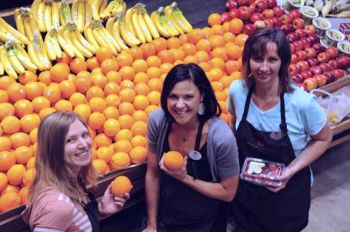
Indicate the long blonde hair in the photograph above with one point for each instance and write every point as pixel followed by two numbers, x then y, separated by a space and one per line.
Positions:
pixel 51 169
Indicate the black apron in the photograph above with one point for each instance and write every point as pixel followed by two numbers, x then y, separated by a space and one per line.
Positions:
pixel 91 210
pixel 255 208
pixel 182 208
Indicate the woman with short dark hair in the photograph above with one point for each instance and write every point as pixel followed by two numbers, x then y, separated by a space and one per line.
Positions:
pixel 190 199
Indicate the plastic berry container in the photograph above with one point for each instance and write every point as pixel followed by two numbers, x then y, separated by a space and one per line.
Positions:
pixel 262 172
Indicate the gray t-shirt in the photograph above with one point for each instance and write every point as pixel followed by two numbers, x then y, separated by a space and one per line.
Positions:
pixel 221 144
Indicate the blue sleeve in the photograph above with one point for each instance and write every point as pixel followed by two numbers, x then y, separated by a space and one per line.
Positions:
pixel 314 117
pixel 153 130
pixel 234 89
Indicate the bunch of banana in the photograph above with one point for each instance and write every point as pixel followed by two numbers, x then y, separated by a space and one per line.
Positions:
pixel 98 36
pixel 65 13
pixel 25 22
pixel 113 8
pixel 97 7
pixel 53 48
pixel 163 24
pixel 11 32
pixel 38 53
pixel 81 13
pixel 139 24
pixel 176 16
pixel 112 26
pixel 148 21
pixel 14 60
pixel 47 15
pixel 34 7
pixel 126 29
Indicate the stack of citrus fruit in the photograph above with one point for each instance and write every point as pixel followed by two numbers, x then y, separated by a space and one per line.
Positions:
pixel 113 94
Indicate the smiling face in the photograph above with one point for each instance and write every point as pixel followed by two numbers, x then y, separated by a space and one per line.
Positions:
pixel 77 149
pixel 183 102
pixel 265 68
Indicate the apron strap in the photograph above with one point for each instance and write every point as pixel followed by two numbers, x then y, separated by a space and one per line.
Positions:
pixel 283 124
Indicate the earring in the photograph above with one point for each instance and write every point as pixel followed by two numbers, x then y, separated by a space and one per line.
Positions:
pixel 201 108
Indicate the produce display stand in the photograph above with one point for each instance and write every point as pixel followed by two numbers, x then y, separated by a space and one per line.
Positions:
pixel 196 11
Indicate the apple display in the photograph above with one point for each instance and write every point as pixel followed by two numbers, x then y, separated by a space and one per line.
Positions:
pixel 315 70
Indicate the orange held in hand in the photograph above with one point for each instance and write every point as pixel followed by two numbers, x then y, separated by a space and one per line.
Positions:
pixel 120 186
pixel 173 160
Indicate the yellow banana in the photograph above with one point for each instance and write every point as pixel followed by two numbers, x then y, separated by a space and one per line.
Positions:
pixel 109 24
pixel 6 63
pixel 128 20
pixel 144 27
pixel 74 49
pixel 48 17
pixel 2 71
pixel 102 7
pixel 65 45
pixel 185 25
pixel 19 24
pixel 81 16
pixel 55 15
pixel 75 41
pixel 60 13
pixel 150 25
pixel 40 16
pixel 65 13
pixel 40 50
pixel 95 6
pixel 128 37
pixel 34 56
pixel 12 56
pixel 90 37
pixel 48 41
pixel 56 45
pixel 167 23
pixel 135 23
pixel 88 12
pixel 28 30
pixel 19 36
pixel 75 8
pixel 108 36
pixel 113 8
pixel 116 35
pixel 34 7
pixel 170 15
pixel 160 26
pixel 25 60
pixel 84 42
pixel 7 37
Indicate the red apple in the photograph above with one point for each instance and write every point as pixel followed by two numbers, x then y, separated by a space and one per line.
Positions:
pixel 243 2
pixel 292 48
pixel 230 4
pixel 312 61
pixel 278 11
pixel 325 67
pixel 318 47
pixel 321 80
pixel 286 19
pixel 344 61
pixel 260 6
pixel 304 66
pixel 298 45
pixel 311 52
pixel 277 22
pixel 244 12
pixel 323 57
pixel 313 39
pixel 252 6
pixel 330 76
pixel 293 69
pixel 334 63
pixel 268 22
pixel 338 73
pixel 255 17
pixel 292 36
pixel 310 84
pixel 301 55
pixel 310 29
pixel 293 59
pixel 287 28
pixel 234 13
pixel 225 17
pixel 298 23
pixel 306 43
pixel 297 78
pixel 271 3
pixel 248 29
pixel 259 24
pixel 295 13
pixel 332 52
pixel 306 74
pixel 268 13
pixel 315 70
pixel 301 33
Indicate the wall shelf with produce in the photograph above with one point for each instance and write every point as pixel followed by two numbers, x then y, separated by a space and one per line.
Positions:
pixel 217 48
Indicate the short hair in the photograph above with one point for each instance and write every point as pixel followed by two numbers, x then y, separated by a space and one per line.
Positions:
pixel 256 46
pixel 50 166
pixel 191 72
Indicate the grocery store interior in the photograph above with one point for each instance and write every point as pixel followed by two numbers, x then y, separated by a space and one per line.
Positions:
pixel 319 33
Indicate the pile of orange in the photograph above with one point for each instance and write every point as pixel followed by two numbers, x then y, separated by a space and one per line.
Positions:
pixel 113 94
